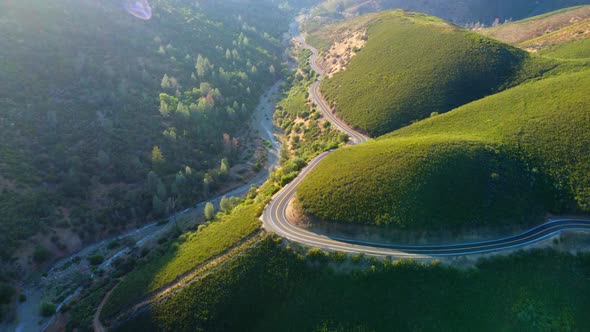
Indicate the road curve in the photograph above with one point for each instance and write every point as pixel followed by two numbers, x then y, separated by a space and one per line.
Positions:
pixel 275 219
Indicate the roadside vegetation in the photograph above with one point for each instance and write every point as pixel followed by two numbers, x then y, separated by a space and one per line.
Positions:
pixel 297 290
pixel 413 65
pixel 305 133
pixel 504 160
pixel 174 259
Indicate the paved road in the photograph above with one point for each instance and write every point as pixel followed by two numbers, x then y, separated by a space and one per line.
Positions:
pixel 275 218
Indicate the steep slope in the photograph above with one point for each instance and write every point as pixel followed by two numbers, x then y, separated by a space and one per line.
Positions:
pixel 413 65
pixel 320 293
pixel 105 118
pixel 503 160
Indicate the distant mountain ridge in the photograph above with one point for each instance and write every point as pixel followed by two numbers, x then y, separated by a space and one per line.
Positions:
pixel 459 12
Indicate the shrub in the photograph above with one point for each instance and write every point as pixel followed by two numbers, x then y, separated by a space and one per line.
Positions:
pixel 47 309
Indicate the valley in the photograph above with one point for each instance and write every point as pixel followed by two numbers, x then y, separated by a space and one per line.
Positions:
pixel 359 169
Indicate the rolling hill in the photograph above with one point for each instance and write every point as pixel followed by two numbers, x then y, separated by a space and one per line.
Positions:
pixel 413 65
pixel 505 159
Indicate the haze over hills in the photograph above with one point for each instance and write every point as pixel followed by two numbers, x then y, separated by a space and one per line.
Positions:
pixel 459 12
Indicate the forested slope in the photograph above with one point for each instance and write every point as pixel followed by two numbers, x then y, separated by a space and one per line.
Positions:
pixel 106 119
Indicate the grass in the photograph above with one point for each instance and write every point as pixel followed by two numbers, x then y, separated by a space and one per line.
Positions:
pixel 183 257
pixel 413 65
pixel 577 49
pixel 538 291
pixel 505 159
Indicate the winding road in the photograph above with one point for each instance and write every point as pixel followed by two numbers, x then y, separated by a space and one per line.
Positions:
pixel 275 217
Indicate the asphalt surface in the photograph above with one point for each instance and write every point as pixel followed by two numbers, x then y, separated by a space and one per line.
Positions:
pixel 275 217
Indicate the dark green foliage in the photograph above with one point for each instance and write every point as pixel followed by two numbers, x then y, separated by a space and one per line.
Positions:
pixel 413 65
pixel 84 104
pixel 6 293
pixel 41 254
pixel 96 259
pixel 503 160
pixel 47 309
pixel 538 291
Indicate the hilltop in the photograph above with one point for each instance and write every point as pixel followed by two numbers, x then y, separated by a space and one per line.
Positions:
pixel 543 31
pixel 413 65
pixel 503 160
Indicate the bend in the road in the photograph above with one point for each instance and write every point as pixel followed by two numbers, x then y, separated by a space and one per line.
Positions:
pixel 275 217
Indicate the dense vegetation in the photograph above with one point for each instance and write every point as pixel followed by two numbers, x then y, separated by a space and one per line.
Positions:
pixel 107 120
pixel 505 159
pixel 539 291
pixel 414 65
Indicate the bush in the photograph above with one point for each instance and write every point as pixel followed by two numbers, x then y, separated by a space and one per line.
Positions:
pixel 6 293
pixel 41 254
pixel 95 259
pixel 47 309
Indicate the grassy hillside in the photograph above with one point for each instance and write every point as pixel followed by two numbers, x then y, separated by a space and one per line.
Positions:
pixel 540 291
pixel 505 159
pixel 104 117
pixel 413 65
pixel 577 49
pixel 533 27
pixel 571 38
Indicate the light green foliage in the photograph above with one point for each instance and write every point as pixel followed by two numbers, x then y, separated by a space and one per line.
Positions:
pixel 413 65
pixel 505 159
pixel 209 211
pixel 578 49
pixel 295 107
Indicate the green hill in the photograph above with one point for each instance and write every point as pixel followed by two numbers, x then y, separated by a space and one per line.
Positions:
pixel 413 65
pixel 528 292
pixel 505 159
